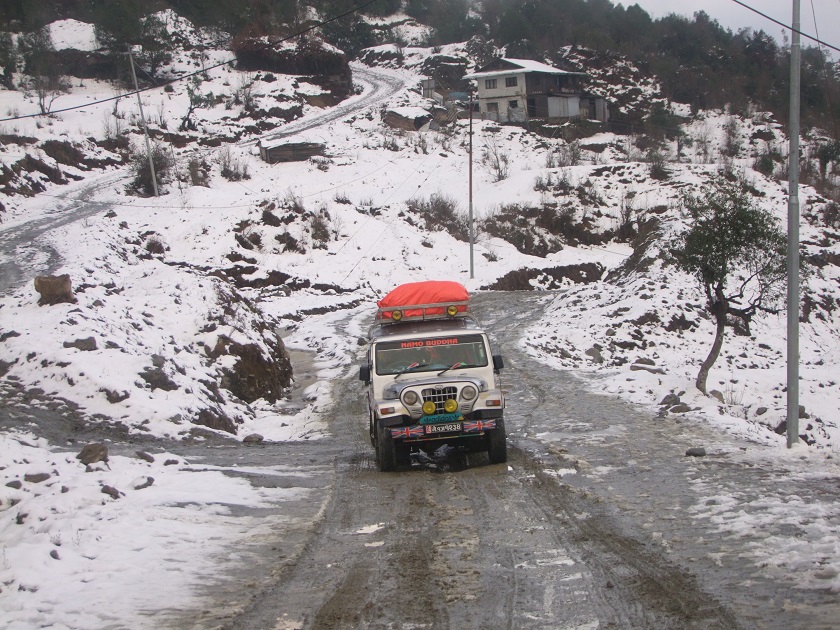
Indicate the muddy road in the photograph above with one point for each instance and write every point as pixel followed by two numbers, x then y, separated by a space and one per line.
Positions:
pixel 589 524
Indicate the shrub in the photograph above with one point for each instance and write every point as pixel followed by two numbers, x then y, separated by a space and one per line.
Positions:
pixel 142 182
pixel 155 245
pixel 496 161
pixel 197 170
pixel 441 213
pixel 320 230
pixel 233 168
pixel 656 160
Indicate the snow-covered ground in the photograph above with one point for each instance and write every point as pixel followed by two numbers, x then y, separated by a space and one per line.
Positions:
pixel 150 280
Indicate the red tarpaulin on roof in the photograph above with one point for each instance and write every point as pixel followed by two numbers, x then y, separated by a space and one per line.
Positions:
pixel 428 292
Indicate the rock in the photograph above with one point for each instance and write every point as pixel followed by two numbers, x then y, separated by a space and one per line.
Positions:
pixel 254 438
pixel 361 341
pixel 802 413
pixel 115 397
pixel 637 367
pixel 145 456
pixel 54 290
pixel 697 451
pixel 15 484
pixel 215 420
pixel 9 335
pixel 92 453
pixel 142 482
pixel 594 354
pixel 158 361
pixel 670 400
pixel 258 372
pixel 36 477
pixel 85 345
pixel 111 492
pixel 54 554
pixel 644 361
pixel 761 411
pixel 158 379
pixel 680 408
pixel 171 462
pixel 717 394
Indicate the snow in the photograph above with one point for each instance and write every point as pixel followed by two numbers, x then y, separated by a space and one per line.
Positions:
pixel 74 35
pixel 139 305
pixel 525 65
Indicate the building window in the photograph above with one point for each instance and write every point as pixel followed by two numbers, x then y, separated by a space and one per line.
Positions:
pixel 513 104
pixel 493 107
pixel 490 84
pixel 510 82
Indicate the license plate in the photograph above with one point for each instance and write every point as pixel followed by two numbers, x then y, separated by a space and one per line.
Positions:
pixel 446 427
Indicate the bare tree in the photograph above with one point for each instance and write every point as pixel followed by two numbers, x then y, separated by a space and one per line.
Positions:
pixel 37 49
pixel 496 160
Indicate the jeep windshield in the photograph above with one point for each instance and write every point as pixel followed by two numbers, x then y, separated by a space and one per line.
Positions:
pixel 430 354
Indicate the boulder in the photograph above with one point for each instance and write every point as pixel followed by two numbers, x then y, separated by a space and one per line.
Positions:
pixel 670 400
pixel 54 290
pixel 85 345
pixel 92 453
pixel 111 492
pixel 718 395
pixel 36 477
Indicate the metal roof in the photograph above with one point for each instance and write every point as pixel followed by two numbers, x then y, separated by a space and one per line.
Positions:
pixel 525 65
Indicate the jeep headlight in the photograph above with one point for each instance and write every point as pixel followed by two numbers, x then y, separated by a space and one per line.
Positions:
pixel 410 398
pixel 450 406
pixel 469 393
pixel 429 408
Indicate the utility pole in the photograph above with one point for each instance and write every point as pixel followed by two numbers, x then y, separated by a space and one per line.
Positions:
pixel 472 231
pixel 793 239
pixel 145 127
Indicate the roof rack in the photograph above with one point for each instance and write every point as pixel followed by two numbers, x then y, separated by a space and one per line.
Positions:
pixel 390 315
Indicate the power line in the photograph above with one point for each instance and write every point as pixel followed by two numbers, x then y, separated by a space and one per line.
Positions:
pixel 197 72
pixel 787 26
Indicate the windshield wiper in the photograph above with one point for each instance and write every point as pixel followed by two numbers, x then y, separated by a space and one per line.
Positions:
pixel 408 368
pixel 451 367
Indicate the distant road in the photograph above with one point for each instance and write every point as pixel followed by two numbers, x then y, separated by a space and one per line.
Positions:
pixel 377 85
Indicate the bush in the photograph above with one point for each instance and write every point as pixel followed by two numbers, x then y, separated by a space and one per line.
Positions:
pixel 197 170
pixel 441 213
pixel 233 169
pixel 320 230
pixel 155 245
pixel 142 183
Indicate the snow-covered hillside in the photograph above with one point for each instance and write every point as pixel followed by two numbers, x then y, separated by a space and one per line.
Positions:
pixel 296 254
pixel 161 283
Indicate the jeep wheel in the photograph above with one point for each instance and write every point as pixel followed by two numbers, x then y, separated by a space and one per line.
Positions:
pixel 497 444
pixel 402 455
pixel 371 430
pixel 385 455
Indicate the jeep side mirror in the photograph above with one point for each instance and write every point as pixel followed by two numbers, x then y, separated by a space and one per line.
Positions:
pixel 498 362
pixel 364 373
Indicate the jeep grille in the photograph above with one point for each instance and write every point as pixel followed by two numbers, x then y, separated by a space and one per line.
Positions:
pixel 439 396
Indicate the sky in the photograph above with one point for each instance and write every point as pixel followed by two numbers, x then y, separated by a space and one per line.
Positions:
pixel 734 16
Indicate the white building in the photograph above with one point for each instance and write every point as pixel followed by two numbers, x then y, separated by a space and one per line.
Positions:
pixel 515 90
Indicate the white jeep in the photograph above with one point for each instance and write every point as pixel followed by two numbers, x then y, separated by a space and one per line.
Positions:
pixel 432 379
